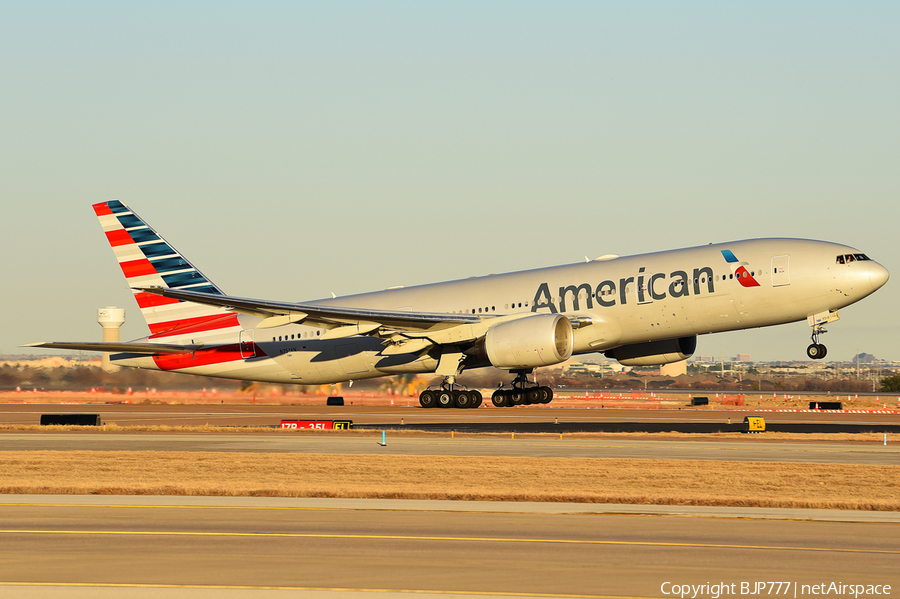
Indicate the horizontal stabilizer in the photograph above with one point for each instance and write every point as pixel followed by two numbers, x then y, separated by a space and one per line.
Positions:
pixel 134 348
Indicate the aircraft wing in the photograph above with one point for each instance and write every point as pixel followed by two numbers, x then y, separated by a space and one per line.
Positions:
pixel 134 348
pixel 361 320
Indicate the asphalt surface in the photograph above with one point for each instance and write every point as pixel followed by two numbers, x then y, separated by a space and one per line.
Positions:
pixel 755 448
pixel 198 547
pixel 267 415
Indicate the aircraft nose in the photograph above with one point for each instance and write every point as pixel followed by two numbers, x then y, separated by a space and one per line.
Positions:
pixel 878 275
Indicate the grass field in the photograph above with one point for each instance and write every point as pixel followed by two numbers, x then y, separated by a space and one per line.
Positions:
pixel 663 482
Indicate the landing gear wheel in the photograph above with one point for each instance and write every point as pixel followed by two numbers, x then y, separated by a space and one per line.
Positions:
pixel 478 399
pixel 816 351
pixel 445 399
pixel 464 399
pixel 534 395
pixel 547 394
pixel 516 397
pixel 500 399
pixel 427 399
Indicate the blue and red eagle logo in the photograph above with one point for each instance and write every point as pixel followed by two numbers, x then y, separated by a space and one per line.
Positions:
pixel 740 270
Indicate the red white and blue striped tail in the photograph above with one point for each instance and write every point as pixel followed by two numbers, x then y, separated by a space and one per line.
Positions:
pixel 147 260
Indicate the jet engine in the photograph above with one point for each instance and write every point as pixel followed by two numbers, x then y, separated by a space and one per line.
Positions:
pixel 529 342
pixel 653 353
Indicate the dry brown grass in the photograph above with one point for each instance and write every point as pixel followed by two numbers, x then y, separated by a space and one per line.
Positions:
pixel 664 482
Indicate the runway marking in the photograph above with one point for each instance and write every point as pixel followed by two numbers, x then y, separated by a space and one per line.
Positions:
pixel 286 588
pixel 291 535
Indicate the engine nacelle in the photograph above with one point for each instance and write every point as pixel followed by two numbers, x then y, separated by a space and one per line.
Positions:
pixel 530 342
pixel 654 353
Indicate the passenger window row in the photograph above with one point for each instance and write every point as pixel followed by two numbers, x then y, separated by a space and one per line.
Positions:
pixel 514 305
pixel 298 336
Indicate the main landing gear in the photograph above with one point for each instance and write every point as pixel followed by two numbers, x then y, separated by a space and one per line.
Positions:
pixel 448 396
pixel 522 392
pixel 816 350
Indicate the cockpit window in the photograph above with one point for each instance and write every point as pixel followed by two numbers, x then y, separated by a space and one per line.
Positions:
pixel 848 258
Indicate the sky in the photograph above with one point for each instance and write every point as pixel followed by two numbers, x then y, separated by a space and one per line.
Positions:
pixel 295 149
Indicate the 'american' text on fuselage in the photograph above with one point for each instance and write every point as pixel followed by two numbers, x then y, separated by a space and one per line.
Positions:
pixel 649 287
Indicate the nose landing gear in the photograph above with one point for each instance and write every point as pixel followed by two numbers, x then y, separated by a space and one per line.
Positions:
pixel 817 351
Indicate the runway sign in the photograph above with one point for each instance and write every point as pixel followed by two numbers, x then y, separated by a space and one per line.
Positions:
pixel 754 424
pixel 321 425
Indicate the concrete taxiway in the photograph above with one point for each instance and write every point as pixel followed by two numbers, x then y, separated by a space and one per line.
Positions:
pixel 753 449
pixel 313 548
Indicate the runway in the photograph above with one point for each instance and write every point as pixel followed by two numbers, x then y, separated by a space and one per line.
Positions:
pixel 755 448
pixel 311 548
pixel 268 415
pixel 397 419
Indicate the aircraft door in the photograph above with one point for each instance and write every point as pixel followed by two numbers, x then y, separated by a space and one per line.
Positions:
pixel 781 271
pixel 248 348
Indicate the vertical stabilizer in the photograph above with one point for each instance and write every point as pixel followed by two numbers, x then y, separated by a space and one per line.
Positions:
pixel 147 260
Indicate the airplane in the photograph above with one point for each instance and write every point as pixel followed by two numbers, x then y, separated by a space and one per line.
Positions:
pixel 645 309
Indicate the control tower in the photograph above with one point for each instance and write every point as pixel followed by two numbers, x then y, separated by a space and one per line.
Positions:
pixel 111 319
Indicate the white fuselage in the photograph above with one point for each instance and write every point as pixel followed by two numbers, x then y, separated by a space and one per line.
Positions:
pixel 626 300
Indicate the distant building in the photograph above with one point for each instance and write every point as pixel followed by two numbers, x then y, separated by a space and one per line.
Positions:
pixel 742 358
pixel 39 361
